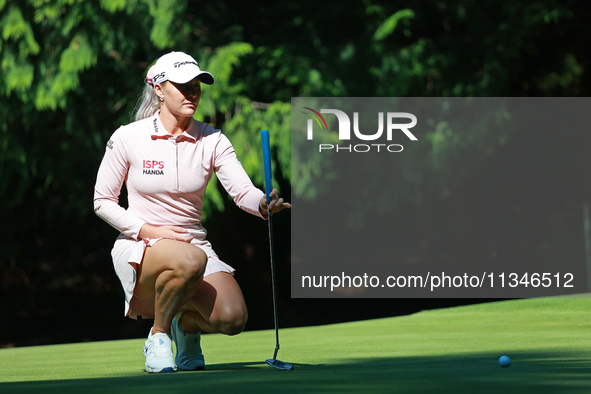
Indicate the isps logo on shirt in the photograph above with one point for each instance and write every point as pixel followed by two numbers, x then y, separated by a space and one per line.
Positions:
pixel 153 167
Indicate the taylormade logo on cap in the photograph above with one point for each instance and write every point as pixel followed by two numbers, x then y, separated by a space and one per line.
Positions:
pixel 178 64
pixel 179 67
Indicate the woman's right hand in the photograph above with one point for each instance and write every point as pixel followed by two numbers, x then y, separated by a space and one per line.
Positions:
pixel 173 232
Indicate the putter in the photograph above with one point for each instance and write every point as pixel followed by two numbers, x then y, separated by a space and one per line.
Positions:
pixel 268 188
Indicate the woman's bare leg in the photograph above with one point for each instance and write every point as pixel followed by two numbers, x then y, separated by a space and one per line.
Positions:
pixel 171 273
pixel 217 306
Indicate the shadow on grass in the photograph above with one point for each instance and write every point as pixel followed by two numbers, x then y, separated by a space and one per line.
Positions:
pixel 530 372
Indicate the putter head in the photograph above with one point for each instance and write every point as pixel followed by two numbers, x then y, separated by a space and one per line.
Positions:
pixel 279 364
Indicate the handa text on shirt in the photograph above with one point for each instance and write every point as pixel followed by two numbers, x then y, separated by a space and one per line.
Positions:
pixel 153 172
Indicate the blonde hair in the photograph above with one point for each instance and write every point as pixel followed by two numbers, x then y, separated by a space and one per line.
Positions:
pixel 148 103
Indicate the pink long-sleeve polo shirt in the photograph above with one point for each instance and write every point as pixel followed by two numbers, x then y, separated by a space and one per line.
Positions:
pixel 166 176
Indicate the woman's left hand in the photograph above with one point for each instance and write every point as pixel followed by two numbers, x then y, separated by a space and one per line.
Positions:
pixel 275 205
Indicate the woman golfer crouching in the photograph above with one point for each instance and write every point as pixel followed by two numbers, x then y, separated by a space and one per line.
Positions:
pixel 168 269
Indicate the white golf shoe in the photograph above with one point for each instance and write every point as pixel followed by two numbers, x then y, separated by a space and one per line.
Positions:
pixel 189 356
pixel 158 353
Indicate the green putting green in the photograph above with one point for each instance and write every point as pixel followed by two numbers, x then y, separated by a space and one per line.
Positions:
pixel 445 350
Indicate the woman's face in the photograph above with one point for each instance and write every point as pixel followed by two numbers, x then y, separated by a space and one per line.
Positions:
pixel 180 99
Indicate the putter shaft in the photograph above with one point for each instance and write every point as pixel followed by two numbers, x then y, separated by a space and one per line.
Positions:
pixel 274 287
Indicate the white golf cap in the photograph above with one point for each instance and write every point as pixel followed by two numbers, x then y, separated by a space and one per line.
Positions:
pixel 178 67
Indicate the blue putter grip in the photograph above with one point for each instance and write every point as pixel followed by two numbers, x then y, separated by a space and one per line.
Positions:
pixel 267 162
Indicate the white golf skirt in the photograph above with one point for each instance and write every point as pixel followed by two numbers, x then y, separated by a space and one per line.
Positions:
pixel 127 253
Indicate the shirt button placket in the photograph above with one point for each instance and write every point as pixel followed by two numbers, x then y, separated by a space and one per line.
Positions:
pixel 175 177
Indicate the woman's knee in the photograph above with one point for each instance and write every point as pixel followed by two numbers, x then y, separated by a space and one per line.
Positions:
pixel 190 263
pixel 232 322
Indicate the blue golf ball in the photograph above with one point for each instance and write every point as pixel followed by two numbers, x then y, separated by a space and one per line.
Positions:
pixel 504 361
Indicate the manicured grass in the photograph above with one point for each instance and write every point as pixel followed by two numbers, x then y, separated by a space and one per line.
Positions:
pixel 446 350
